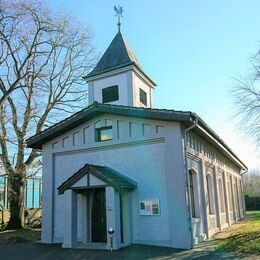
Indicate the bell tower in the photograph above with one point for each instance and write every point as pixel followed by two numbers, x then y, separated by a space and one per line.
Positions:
pixel 118 78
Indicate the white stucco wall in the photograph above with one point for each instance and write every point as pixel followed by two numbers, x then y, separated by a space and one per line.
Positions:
pixel 120 80
pixel 151 153
pixel 138 83
pixel 205 159
pixel 144 150
pixel 128 82
pixel 146 167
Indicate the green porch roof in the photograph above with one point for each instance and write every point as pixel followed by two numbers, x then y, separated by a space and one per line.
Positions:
pixel 111 177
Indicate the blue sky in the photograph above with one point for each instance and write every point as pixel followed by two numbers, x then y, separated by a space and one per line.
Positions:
pixel 193 50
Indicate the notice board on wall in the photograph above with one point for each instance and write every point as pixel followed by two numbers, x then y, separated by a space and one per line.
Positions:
pixel 149 207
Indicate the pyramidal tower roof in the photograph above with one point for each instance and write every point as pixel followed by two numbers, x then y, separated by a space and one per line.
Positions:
pixel 117 55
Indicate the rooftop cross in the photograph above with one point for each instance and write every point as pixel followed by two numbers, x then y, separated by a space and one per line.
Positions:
pixel 119 10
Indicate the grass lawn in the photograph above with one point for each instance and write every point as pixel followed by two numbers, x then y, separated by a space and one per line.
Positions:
pixel 20 235
pixel 244 237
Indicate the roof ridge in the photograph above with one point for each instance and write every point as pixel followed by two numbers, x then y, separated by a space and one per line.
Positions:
pixel 130 53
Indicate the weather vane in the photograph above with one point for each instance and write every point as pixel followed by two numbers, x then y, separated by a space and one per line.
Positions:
pixel 119 10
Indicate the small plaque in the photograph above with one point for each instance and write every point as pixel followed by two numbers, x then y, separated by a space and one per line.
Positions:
pixel 149 207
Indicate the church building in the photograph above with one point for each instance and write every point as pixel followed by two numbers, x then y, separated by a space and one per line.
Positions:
pixel 154 176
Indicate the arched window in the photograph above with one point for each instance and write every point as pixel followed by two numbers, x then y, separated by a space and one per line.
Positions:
pixel 221 195
pixel 230 197
pixel 235 195
pixel 192 194
pixel 210 194
pixel 194 199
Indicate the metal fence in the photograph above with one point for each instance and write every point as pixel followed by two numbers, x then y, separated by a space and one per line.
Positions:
pixel 32 193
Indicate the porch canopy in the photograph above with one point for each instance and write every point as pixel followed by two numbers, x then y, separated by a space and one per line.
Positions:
pixel 107 175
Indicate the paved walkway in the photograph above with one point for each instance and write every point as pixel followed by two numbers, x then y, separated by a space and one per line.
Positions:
pixel 40 251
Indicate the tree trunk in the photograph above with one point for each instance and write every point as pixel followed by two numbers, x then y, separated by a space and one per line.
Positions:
pixel 16 200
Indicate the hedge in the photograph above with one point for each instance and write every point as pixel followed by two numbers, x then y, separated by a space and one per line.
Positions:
pixel 252 203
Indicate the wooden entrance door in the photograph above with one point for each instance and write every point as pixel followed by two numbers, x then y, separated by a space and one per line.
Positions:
pixel 98 216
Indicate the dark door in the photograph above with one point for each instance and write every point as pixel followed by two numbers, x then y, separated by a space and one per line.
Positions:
pixel 98 227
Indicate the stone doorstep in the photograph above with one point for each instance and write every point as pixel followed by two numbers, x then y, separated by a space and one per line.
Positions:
pixel 97 246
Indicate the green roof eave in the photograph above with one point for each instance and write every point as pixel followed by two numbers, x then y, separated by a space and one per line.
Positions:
pixel 106 174
pixel 185 117
pixel 96 109
pixel 93 74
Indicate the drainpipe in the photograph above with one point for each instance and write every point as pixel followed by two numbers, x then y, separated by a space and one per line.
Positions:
pixel 187 181
pixel 243 194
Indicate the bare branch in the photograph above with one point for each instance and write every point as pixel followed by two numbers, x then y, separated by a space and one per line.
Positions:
pixel 43 57
pixel 246 95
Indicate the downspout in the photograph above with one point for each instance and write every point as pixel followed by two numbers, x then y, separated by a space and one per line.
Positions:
pixel 187 181
pixel 243 194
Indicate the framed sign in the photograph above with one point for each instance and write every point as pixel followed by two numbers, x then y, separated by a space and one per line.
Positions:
pixel 149 207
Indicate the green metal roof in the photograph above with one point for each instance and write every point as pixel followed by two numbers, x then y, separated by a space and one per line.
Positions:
pixel 111 177
pixel 186 117
pixel 96 109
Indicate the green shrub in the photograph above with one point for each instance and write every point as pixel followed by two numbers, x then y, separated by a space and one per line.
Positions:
pixel 252 203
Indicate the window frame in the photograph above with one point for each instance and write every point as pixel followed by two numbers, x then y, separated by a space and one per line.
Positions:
pixel 230 195
pixel 192 195
pixel 221 195
pixel 110 89
pixel 99 133
pixel 209 182
pixel 142 96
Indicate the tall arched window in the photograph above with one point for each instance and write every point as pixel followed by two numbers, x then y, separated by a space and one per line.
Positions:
pixel 230 197
pixel 235 195
pixel 194 198
pixel 210 194
pixel 221 195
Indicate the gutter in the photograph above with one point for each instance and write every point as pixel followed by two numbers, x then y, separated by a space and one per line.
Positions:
pixel 243 194
pixel 187 181
pixel 245 171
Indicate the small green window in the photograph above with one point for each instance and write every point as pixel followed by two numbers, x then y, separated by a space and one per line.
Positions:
pixel 104 134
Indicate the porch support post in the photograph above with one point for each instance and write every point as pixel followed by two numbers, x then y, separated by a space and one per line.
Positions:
pixel 113 216
pixel 85 219
pixel 70 219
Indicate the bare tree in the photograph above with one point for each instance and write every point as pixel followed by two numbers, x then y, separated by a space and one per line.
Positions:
pixel 43 57
pixel 251 183
pixel 247 99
